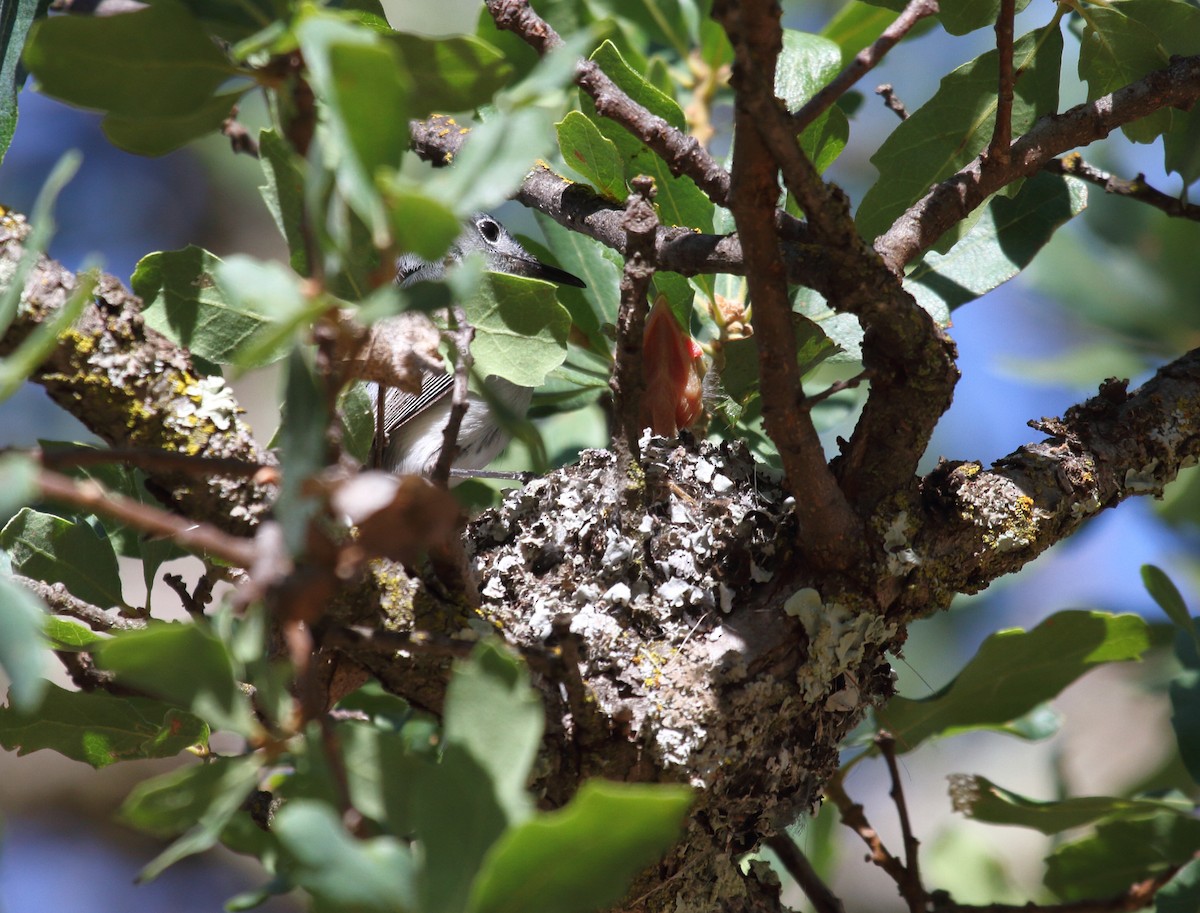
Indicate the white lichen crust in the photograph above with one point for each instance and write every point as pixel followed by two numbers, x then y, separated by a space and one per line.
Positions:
pixel 673 593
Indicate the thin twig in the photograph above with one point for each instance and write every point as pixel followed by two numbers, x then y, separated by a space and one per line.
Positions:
pixel 836 387
pixel 891 100
pixel 352 819
pixel 683 154
pixel 461 335
pixel 240 139
pixel 628 380
pixel 949 202
pixel 863 62
pixel 156 461
pixel 61 602
pixel 1137 897
pixel 798 866
pixel 1002 131
pixel 854 818
pixel 911 888
pixel 81 669
pixel 201 537
pixel 195 600
pixel 1137 189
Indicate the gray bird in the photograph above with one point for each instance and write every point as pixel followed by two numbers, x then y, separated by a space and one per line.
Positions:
pixel 413 423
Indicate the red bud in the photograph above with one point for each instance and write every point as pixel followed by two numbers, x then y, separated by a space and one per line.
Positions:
pixel 674 366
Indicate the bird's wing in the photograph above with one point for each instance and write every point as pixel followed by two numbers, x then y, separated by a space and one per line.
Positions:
pixel 399 407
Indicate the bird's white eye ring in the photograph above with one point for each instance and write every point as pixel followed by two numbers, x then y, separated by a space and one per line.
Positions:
pixel 490 229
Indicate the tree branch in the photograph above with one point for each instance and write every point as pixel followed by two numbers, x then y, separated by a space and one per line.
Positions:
pixel 916 230
pixel 60 458
pixel 914 893
pixel 137 390
pixel 628 376
pixel 676 248
pixel 189 534
pixel 60 602
pixel 829 533
pixel 863 62
pixel 1137 189
pixel 980 524
pixel 798 866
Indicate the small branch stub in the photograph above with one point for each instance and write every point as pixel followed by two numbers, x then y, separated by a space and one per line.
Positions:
pixel 628 378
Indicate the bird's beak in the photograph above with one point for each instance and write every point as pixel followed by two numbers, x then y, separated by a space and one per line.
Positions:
pixel 536 269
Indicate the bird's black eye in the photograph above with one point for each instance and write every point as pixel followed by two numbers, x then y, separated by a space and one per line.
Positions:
pixel 490 229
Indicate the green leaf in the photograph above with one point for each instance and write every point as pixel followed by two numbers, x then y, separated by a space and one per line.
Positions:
pixel 65 634
pixel 584 856
pixel 233 20
pixel 184 664
pixel 1185 698
pixel 806 64
pixel 419 222
pixel 302 447
pixel 357 411
pixel 457 816
pixel 679 200
pixel 196 802
pixel 520 328
pixel 1002 242
pixel 103 62
pixel 1014 671
pixel 591 154
pixel 1181 146
pixel 1164 592
pixel 460 806
pixel 340 872
pixel 357 75
pixel 494 715
pixel 954 126
pixel 980 799
pixel 1119 854
pixel 284 194
pixel 55 550
pixel 494 163
pixel 22 648
pixel 581 380
pixel 1177 27
pixel 962 16
pixel 270 295
pixel 163 133
pixel 1182 893
pixel 595 307
pixel 366 79
pixel 233 312
pixel 824 139
pixel 100 729
pixel 18 482
pixel 455 72
pixel 1116 50
pixel 959 17
pixel 855 26
pixel 15 21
